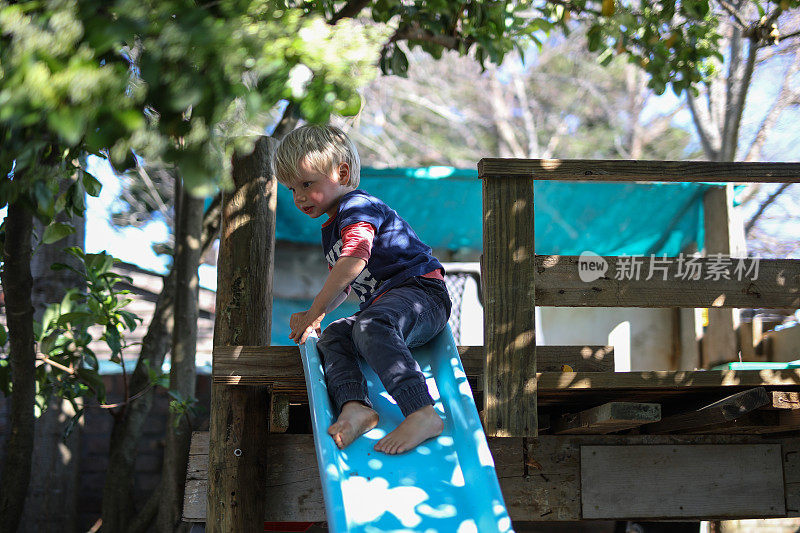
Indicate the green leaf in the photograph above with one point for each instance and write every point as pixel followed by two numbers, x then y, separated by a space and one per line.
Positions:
pixel 73 422
pixel 5 377
pixel 39 405
pixel 90 362
pixel 45 201
pixel 3 335
pixel 48 343
pixel 62 266
pixel 75 317
pixel 50 317
pixel 129 319
pixel 594 36
pixel 91 184
pixel 113 340
pixel 57 231
pixel 605 57
pixel 351 107
pixel 69 297
pixel 131 119
pixel 69 123
pixel 76 252
pixel 75 199
pixel 93 379
pixel 399 62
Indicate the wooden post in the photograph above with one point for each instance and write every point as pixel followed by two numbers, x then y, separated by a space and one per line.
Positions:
pixel 509 324
pixel 719 341
pixel 689 331
pixel 238 427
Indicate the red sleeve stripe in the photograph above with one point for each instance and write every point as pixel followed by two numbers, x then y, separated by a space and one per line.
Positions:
pixel 357 240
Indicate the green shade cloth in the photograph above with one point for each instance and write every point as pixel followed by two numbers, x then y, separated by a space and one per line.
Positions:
pixel 443 205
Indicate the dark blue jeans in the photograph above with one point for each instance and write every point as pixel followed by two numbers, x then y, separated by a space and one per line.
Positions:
pixel 406 316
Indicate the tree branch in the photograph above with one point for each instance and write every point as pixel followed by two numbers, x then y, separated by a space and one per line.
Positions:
pixel 288 121
pixel 414 32
pixel 349 10
pixel 789 35
pixel 211 222
pixel 575 8
pixel 772 197
pixel 733 117
pixel 784 99
pixel 702 120
pixel 732 11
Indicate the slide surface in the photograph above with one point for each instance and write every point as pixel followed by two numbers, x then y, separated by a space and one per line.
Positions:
pixel 447 484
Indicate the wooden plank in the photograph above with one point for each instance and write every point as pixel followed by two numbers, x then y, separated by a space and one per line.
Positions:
pixel 509 384
pixel 658 379
pixel 586 358
pixel 756 422
pixel 722 411
pixel 280 367
pixel 278 413
pixel 639 170
pixel 294 491
pixel 238 420
pixel 680 481
pixel 760 422
pixel 608 418
pixel 672 282
pixel 540 477
pixel 567 384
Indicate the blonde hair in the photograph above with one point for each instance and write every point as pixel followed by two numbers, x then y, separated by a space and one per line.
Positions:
pixel 322 147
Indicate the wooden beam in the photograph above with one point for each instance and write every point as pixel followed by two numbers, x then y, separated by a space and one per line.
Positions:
pixel 724 410
pixel 681 481
pixel 540 477
pixel 638 170
pixel 280 366
pixel 759 422
pixel 776 283
pixel 698 379
pixel 719 341
pixel 608 418
pixel 238 421
pixel 509 325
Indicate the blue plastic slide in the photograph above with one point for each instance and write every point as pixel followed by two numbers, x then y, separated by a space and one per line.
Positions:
pixel 447 484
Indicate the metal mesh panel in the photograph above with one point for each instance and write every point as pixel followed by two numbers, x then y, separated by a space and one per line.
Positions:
pixel 456 282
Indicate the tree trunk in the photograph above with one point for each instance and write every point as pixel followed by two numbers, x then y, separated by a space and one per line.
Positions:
pixel 718 121
pixel 52 498
pixel 17 283
pixel 118 505
pixel 182 376
pixel 237 472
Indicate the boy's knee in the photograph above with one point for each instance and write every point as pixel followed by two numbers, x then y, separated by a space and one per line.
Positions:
pixel 368 330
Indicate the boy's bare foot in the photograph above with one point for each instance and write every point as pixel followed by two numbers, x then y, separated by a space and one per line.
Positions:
pixel 419 426
pixel 354 420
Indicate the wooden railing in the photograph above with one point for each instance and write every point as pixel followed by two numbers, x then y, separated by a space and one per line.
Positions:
pixel 516 279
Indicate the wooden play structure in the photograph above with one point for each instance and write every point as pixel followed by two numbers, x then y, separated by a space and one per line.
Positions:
pixel 705 444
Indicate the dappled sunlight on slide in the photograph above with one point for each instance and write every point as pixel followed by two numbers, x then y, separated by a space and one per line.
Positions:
pixel 447 484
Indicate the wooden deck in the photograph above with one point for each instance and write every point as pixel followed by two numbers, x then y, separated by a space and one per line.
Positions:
pixel 543 479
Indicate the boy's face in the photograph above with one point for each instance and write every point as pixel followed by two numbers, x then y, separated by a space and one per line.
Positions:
pixel 316 193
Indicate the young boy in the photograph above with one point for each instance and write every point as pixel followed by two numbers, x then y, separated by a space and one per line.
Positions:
pixel 404 301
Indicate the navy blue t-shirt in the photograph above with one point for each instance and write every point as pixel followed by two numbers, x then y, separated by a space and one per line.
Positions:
pixel 397 253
